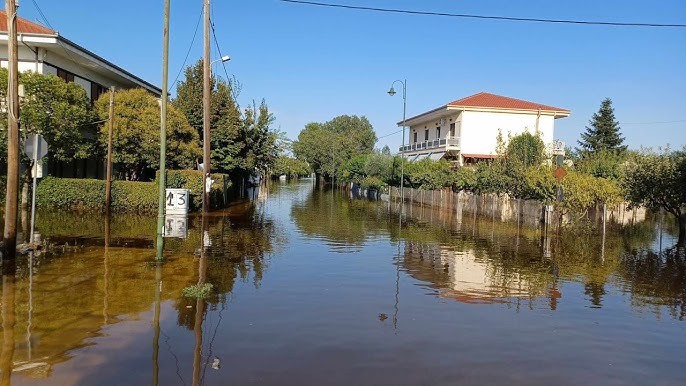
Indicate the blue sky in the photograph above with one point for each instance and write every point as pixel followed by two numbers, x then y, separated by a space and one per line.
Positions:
pixel 313 63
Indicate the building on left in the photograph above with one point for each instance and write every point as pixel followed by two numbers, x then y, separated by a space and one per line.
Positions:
pixel 45 51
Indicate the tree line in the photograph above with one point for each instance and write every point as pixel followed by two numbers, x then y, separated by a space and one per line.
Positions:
pixel 243 142
pixel 600 171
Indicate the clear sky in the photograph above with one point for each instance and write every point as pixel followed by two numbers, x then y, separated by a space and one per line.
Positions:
pixel 314 63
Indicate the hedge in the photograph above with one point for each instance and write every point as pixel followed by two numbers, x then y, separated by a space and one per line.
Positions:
pixel 127 196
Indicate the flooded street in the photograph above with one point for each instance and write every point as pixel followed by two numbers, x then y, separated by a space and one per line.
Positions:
pixel 310 287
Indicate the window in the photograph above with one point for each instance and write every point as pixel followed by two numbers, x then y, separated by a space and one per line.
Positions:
pixel 96 91
pixel 452 130
pixel 438 133
pixel 415 137
pixel 426 134
pixel 65 75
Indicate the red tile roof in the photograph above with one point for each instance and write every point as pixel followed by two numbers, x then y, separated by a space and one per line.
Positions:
pixel 488 100
pixel 24 26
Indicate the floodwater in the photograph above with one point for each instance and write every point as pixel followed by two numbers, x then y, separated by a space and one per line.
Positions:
pixel 310 287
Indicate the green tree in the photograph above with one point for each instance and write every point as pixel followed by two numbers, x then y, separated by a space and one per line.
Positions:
pixel 603 133
pixel 242 144
pixel 136 135
pixel 658 181
pixel 523 151
pixel 58 110
pixel 259 148
pixel 328 146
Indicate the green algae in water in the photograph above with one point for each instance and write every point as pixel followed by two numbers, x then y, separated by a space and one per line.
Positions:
pixel 198 291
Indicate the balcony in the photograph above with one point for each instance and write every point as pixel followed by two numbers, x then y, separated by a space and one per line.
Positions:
pixel 447 143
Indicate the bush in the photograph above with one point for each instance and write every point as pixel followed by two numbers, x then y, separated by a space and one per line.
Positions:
pixel 428 174
pixel 71 194
pixel 127 196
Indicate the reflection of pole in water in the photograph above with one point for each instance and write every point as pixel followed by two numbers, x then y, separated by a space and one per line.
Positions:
pixel 602 249
pixel 106 273
pixel 397 290
pixel 662 221
pixel 9 270
pixel 200 306
pixel 29 324
pixel 156 325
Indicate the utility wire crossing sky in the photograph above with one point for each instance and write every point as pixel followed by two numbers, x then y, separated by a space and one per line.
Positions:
pixel 468 16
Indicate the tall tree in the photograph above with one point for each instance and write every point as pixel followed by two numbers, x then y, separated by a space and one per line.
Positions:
pixel 603 132
pixel 327 146
pixel 242 144
pixel 136 135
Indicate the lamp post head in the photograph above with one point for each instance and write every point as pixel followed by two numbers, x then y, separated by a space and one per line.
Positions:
pixel 225 58
pixel 391 92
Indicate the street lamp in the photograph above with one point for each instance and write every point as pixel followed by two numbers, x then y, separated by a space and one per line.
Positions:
pixel 391 92
pixel 223 59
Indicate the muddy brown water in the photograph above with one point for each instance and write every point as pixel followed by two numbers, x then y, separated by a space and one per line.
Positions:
pixel 311 287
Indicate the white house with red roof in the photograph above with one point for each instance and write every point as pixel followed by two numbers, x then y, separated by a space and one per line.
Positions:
pixel 45 51
pixel 466 130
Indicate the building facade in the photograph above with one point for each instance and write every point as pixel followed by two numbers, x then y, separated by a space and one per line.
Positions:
pixel 466 130
pixel 45 51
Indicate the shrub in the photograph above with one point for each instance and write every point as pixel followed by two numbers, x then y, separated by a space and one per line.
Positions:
pixel 127 196
pixel 71 194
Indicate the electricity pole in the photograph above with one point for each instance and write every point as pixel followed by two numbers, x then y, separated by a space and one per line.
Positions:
pixel 108 174
pixel 11 200
pixel 206 93
pixel 163 132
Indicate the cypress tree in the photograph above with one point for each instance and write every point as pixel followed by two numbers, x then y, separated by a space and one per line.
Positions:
pixel 603 133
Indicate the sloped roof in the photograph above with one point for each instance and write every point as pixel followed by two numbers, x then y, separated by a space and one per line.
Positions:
pixel 24 26
pixel 488 100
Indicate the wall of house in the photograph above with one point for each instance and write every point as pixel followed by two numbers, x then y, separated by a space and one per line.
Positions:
pixel 433 125
pixel 480 129
pixel 49 61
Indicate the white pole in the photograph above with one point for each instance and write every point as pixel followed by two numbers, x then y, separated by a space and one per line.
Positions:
pixel 33 193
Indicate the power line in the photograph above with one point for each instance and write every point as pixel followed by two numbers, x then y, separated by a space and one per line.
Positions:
pixel 487 17
pixel 388 135
pixel 651 123
pixel 47 22
pixel 219 49
pixel 190 47
pixel 42 15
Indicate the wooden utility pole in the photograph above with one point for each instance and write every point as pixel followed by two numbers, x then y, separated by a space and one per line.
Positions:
pixel 110 126
pixel 12 195
pixel 206 93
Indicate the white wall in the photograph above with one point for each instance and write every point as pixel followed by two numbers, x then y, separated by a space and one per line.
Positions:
pixel 432 125
pixel 83 75
pixel 480 129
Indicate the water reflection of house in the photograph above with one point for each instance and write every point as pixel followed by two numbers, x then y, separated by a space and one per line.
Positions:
pixel 45 51
pixel 466 277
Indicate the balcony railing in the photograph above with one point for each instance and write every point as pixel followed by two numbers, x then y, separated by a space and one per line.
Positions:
pixel 453 143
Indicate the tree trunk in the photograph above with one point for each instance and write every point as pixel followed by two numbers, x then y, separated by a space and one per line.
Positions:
pixel 682 229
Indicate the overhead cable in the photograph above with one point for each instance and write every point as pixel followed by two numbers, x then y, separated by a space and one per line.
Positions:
pixel 487 17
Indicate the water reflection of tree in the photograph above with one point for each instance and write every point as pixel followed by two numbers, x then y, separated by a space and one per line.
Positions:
pixel 240 248
pixel 514 255
pixel 342 222
pixel 655 280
